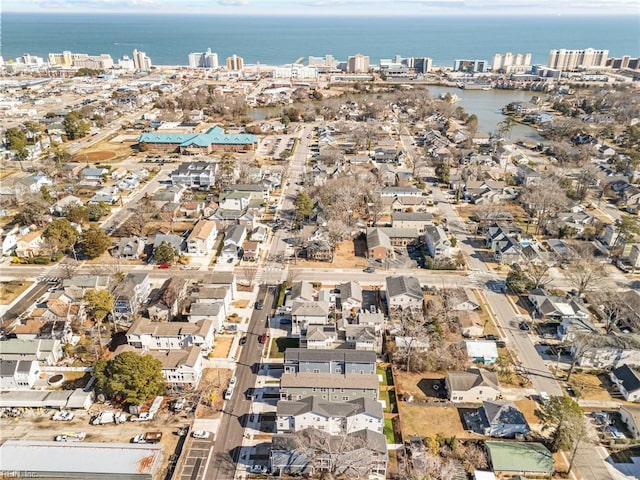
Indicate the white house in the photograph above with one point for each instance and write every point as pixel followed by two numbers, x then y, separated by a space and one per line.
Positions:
pixel 306 313
pixel 213 312
pixel 202 238
pixel 627 381
pixel 181 368
pixel 630 416
pixel 473 385
pixel 350 299
pixel 149 335
pixel 482 351
pixel 337 418
pixel 403 292
pixel 436 240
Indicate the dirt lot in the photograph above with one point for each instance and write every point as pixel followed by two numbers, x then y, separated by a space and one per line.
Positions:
pixel 221 347
pixel 241 303
pixel 430 420
pixel 344 257
pixel 177 227
pixel 413 383
pixel 98 156
pixel 527 407
pixel 9 291
pixel 117 152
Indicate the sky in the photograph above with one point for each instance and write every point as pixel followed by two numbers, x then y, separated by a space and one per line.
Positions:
pixel 331 7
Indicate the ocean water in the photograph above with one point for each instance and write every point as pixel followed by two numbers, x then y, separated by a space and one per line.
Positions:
pixel 168 40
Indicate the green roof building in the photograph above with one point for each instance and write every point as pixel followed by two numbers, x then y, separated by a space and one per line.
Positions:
pixel 521 458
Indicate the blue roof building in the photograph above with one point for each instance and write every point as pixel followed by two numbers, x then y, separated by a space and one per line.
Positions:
pixel 214 139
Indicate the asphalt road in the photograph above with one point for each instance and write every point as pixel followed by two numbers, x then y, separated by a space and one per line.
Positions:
pixel 222 465
pixel 25 302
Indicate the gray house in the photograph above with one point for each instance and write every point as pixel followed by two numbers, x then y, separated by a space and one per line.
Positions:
pixel 129 248
pixel 403 292
pixel 335 387
pixel 329 361
pixel 437 242
pixel 498 419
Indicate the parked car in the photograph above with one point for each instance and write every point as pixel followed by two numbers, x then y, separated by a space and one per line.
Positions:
pixel 147 437
pixel 369 270
pixel 257 469
pixel 232 381
pixel 243 340
pixel 524 326
pixel 63 416
pixel 163 265
pixel 262 338
pixel 201 434
pixel 228 393
pixel 259 305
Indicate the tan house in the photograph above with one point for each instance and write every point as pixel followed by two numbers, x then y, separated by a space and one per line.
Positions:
pixel 202 238
pixel 30 245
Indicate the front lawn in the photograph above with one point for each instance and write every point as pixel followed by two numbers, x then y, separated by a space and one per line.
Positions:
pixel 279 345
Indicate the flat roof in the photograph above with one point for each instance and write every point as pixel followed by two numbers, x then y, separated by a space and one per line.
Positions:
pixel 82 458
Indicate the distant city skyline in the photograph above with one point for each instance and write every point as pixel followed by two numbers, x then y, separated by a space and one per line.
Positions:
pixel 331 7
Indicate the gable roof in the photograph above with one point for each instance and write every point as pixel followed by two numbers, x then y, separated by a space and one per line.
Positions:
pixel 350 291
pixel 473 377
pixel 503 413
pixel 629 378
pixel 403 285
pixel 331 409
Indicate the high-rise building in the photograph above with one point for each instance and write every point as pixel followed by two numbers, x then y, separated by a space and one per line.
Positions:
pixel 323 64
pixel 358 63
pixel 421 64
pixel 64 59
pixel 511 63
pixel 235 62
pixel 203 60
pixel 625 62
pixel 563 59
pixel 141 62
pixel 470 66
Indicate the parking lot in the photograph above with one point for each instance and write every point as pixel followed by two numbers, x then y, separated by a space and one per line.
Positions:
pixel 195 458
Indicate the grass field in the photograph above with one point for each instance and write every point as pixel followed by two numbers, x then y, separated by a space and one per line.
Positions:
pixel 9 291
pixel 589 386
pixel 410 383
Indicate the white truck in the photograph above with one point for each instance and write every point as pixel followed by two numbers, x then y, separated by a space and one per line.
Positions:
pixel 108 416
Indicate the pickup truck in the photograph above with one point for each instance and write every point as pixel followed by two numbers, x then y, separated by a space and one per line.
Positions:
pixel 147 437
pixel 108 416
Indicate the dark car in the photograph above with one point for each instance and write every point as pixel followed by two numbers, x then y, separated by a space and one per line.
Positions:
pixel 524 326
pixel 490 337
pixel 259 305
pixel 243 340
pixel 369 270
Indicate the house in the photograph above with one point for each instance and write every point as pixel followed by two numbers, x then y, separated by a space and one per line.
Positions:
pixel 361 454
pixel 302 290
pixel 400 237
pixel 222 279
pixel 520 458
pixel 506 249
pixel 329 386
pixel 108 195
pixel 482 351
pixel 630 416
pixel 608 351
pixel 415 220
pixel 45 351
pixel 250 251
pixel 94 174
pixel 527 176
pixel 472 385
pixel 130 294
pixel 129 248
pixel 149 335
pixel 301 360
pixel 174 240
pixel 463 299
pixel 436 240
pixel 319 337
pixel 64 204
pixel 362 337
pixel 403 292
pixel 378 244
pixel 235 236
pixel 30 245
pixel 627 381
pixel 195 174
pixel 213 312
pixel 18 374
pixel 167 303
pixel 569 311
pixel 320 251
pixel 202 238
pixel 498 419
pixel 306 313
pixel 181 368
pixel 350 299
pixel 336 418
pixel 33 183
pixel 220 295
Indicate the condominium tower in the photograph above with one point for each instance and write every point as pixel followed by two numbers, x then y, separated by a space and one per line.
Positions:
pixel 511 63
pixel 575 59
pixel 141 62
pixel 203 60
pixel 235 62
pixel 358 64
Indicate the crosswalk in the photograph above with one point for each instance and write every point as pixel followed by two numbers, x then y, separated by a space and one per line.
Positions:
pixel 44 278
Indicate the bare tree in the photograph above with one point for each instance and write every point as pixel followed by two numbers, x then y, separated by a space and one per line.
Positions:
pixel 413 334
pixel 585 271
pixel 538 272
pixel 609 304
pixel 544 199
pixel 249 274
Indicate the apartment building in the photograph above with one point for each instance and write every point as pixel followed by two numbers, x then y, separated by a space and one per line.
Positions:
pixel 511 63
pixel 358 63
pixel 206 59
pixel 563 59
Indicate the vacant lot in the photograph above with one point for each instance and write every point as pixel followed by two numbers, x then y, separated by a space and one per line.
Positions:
pixel 343 257
pixel 429 420
pixel 589 386
pixel 221 347
pixel 414 384
pixel 97 156
pixel 9 291
pixel 240 303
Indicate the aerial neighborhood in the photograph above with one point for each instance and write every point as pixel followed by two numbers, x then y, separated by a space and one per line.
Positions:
pixel 320 270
